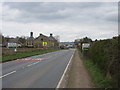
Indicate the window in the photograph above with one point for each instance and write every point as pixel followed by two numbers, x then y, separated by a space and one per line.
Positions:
pixel 42 39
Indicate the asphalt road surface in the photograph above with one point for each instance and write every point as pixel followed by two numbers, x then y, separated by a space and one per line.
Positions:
pixel 40 71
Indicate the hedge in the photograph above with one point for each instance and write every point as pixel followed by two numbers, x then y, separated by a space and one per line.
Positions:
pixel 105 55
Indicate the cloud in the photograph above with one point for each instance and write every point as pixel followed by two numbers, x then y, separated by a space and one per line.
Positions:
pixel 41 12
pixel 67 19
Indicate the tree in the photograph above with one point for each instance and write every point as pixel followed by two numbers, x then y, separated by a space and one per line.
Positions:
pixel 86 40
pixel 22 40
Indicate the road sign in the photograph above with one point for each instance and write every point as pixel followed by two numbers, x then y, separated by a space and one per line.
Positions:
pixel 12 45
pixel 85 46
pixel 44 43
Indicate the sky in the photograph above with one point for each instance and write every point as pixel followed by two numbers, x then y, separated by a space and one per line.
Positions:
pixel 69 20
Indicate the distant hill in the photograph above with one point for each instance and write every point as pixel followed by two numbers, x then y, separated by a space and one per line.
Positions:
pixel 67 43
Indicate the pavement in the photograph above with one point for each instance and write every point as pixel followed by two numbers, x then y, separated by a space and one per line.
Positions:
pixel 40 71
pixel 78 74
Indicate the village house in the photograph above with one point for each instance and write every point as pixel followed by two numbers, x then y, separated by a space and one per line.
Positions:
pixel 30 40
pixel 14 42
pixel 41 41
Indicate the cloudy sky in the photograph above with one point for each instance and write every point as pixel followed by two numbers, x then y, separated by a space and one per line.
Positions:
pixel 69 20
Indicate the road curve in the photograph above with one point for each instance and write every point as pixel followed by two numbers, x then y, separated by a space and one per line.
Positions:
pixel 40 71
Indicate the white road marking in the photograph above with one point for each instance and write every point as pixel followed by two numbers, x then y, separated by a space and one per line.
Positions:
pixel 58 86
pixel 23 67
pixel 33 64
pixel 7 74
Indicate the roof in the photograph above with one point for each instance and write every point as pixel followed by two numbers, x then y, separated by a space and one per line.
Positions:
pixel 52 38
pixel 31 38
pixel 13 40
pixel 41 35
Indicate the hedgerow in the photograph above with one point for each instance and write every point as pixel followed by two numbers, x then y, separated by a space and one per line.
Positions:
pixel 105 55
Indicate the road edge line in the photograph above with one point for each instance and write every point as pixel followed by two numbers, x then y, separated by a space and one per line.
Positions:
pixel 61 79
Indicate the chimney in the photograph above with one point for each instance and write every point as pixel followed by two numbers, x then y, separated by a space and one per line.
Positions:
pixel 40 34
pixel 51 34
pixel 31 34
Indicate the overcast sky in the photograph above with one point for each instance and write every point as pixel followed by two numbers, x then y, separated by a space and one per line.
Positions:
pixel 70 20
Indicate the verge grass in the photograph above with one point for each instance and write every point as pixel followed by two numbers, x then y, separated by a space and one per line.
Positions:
pixel 97 76
pixel 18 55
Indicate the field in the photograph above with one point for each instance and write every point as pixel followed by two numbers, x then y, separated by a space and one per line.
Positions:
pixel 18 55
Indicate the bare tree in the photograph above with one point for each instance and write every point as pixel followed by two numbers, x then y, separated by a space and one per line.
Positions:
pixel 57 37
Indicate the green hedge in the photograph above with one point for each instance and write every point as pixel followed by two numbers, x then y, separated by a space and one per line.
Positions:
pixel 104 54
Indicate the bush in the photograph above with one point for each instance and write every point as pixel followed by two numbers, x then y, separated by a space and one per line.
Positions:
pixel 104 54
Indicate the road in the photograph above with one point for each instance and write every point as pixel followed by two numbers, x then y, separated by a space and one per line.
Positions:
pixel 40 71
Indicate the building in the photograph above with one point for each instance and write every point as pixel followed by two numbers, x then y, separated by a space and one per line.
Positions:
pixel 52 41
pixel 14 42
pixel 41 41
pixel 30 40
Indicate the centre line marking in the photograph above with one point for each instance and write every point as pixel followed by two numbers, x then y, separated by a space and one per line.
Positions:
pixel 33 64
pixel 7 74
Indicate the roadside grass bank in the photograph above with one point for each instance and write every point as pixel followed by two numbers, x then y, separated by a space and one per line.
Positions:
pixel 97 76
pixel 19 55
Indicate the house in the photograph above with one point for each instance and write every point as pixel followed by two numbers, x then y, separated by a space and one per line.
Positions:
pixel 52 41
pixel 13 42
pixel 30 40
pixel 41 41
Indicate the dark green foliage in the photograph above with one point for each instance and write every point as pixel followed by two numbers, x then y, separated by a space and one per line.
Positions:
pixel 104 54
pixel 79 42
pixel 86 40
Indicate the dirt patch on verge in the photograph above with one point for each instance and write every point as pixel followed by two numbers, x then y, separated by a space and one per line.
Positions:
pixel 78 74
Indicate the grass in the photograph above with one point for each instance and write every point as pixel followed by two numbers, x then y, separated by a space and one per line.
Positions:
pixel 97 76
pixel 25 54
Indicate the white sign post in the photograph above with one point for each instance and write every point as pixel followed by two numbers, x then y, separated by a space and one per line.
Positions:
pixel 12 46
pixel 85 46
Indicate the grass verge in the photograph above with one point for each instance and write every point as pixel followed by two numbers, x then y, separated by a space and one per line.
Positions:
pixel 18 55
pixel 96 74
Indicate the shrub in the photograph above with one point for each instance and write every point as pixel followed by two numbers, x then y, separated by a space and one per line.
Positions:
pixel 104 54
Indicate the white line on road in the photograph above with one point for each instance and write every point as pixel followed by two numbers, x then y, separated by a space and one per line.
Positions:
pixel 7 74
pixel 33 64
pixel 58 86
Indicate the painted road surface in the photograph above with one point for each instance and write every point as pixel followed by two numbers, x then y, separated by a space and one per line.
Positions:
pixel 40 71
